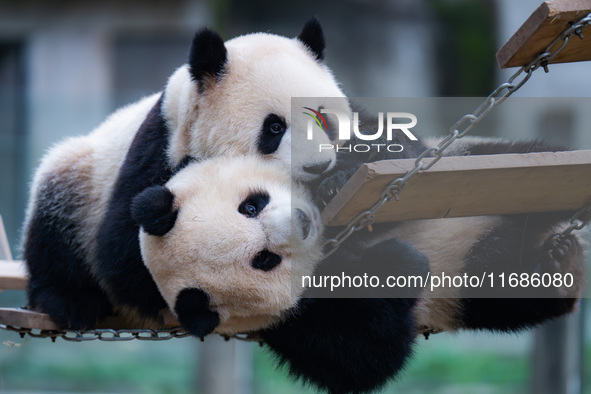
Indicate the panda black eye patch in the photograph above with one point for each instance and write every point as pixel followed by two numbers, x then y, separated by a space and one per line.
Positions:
pixel 254 204
pixel 265 260
pixel 272 132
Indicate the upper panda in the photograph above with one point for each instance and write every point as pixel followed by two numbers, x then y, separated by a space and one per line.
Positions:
pixel 233 98
pixel 221 245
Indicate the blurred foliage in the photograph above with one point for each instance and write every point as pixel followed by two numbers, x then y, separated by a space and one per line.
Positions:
pixel 465 46
pixel 169 367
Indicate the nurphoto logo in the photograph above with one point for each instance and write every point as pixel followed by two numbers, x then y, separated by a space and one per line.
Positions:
pixel 392 124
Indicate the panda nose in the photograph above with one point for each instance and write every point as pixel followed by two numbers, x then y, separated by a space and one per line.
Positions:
pixel 317 169
pixel 304 221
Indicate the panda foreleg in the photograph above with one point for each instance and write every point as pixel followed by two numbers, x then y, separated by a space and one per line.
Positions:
pixel 331 185
pixel 351 345
pixel 119 262
pixel 524 244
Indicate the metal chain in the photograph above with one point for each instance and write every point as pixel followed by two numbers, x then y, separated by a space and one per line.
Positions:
pixel 579 220
pixel 110 335
pixel 459 130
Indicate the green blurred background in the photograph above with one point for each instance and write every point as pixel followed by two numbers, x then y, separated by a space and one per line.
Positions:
pixel 64 65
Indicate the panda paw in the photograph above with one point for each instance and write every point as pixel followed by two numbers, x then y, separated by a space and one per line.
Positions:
pixel 563 256
pixel 330 186
pixel 75 311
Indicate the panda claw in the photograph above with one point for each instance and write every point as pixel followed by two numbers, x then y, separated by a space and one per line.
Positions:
pixel 562 248
pixel 563 254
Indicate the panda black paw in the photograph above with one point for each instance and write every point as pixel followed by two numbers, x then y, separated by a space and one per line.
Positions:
pixel 74 310
pixel 562 252
pixel 330 186
pixel 563 255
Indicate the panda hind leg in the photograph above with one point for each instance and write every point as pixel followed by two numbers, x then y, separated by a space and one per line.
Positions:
pixel 60 283
pixel 60 286
pixel 560 256
pixel 73 308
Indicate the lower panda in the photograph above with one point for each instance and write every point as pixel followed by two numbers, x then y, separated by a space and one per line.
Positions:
pixel 357 345
pixel 228 240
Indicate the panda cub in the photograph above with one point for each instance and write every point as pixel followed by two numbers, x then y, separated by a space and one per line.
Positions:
pixel 231 99
pixel 219 242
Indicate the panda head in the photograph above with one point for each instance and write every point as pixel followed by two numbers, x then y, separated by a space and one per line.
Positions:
pixel 225 241
pixel 235 98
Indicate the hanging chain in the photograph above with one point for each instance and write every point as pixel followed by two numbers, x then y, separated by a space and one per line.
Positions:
pixel 579 220
pixel 462 127
pixel 101 334
pixel 110 335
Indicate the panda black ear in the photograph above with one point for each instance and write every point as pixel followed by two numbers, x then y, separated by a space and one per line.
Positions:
pixel 313 37
pixel 152 209
pixel 207 56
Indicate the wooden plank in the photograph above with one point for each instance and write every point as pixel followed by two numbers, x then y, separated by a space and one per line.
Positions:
pixel 469 186
pixel 24 318
pixel 17 317
pixel 548 21
pixel 4 246
pixel 13 275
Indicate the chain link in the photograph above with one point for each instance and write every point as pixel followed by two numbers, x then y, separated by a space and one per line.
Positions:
pixel 579 220
pixel 110 335
pixel 458 130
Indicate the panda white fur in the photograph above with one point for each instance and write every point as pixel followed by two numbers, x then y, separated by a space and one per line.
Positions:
pixel 232 98
pixel 219 243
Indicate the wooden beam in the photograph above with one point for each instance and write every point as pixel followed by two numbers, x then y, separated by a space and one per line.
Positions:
pixel 13 275
pixel 469 186
pixel 22 318
pixel 548 21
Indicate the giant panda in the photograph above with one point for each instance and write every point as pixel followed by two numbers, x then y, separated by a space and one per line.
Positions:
pixel 80 242
pixel 333 333
pixel 218 240
pixel 227 241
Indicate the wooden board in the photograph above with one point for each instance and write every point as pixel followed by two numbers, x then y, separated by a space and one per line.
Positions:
pixel 469 186
pixel 548 21
pixel 13 275
pixel 23 318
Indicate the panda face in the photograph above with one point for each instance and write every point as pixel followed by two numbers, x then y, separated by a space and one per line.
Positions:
pixel 230 242
pixel 245 108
